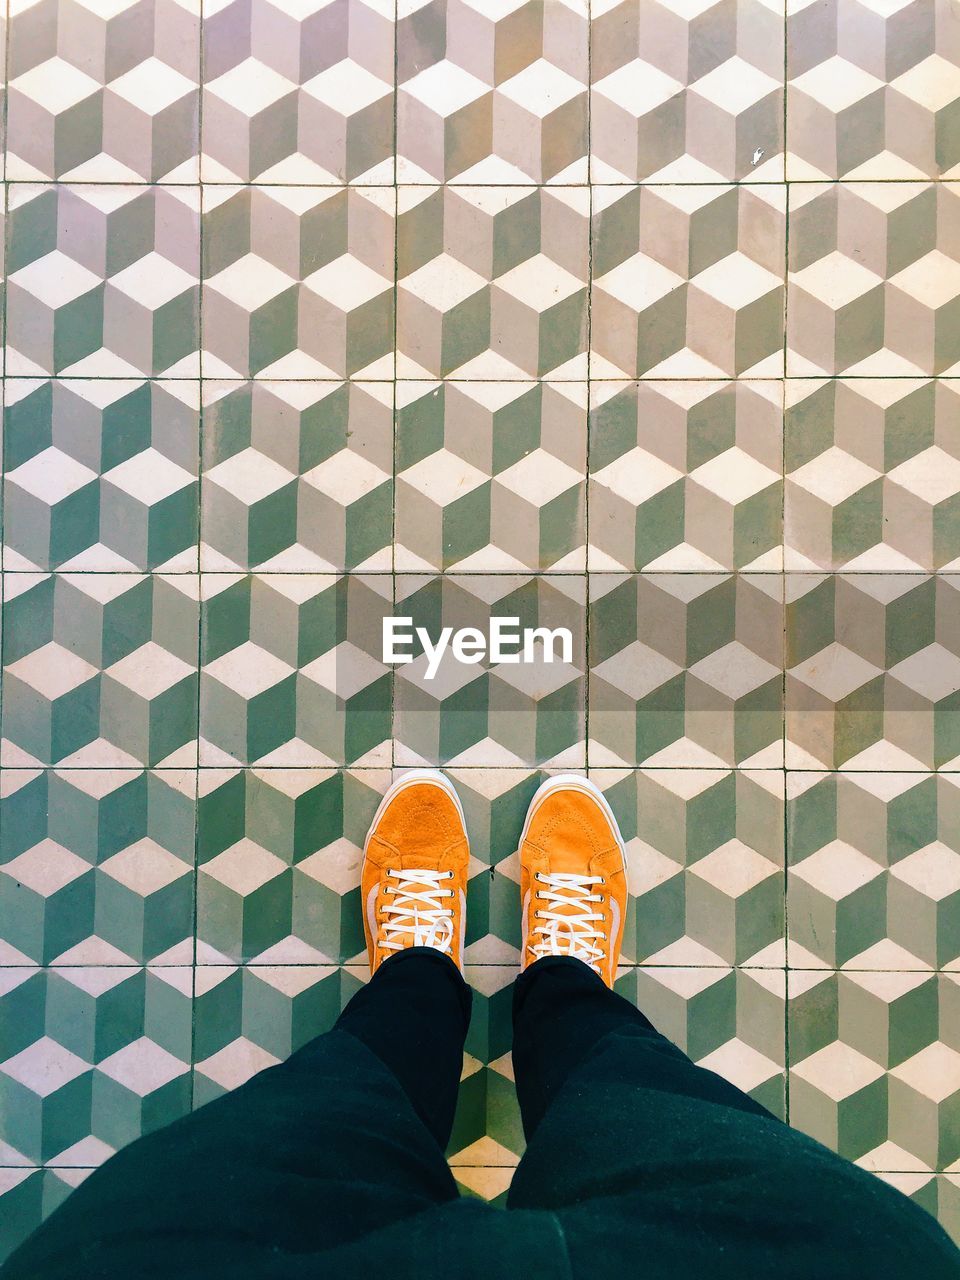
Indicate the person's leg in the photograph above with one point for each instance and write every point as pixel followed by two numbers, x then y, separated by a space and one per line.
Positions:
pixel 307 1155
pixel 562 1009
pixel 634 1147
pixel 342 1139
pixel 639 1153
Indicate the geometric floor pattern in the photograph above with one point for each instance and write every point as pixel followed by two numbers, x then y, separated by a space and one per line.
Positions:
pixel 632 316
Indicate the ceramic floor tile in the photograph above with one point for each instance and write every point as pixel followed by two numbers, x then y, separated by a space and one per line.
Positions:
pixel 873 671
pixel 91 1058
pixel 292 672
pixel 874 879
pixel 490 1182
pixel 28 1195
pixel 875 1067
pixel 297 476
pixel 96 866
pixel 101 475
pixel 705 864
pixel 491 476
pixel 872 91
pixel 687 281
pixel 298 93
pixel 874 286
pixel 686 94
pixel 486 1128
pixel 492 94
pixel 298 282
pixel 495 804
pixel 685 670
pixel 486 712
pixel 730 1021
pixel 100 669
pixel 872 474
pixel 104 94
pixel 103 280
pixel 278 864
pixel 492 282
pixel 685 476
pixel 250 1017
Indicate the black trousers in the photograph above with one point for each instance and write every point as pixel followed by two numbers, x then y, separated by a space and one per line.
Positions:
pixel 639 1163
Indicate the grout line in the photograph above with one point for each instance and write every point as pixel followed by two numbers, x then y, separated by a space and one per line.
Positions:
pixel 783 578
pixel 200 494
pixel 454 574
pixel 624 380
pixel 5 243
pixel 589 339
pixel 625 184
pixel 394 411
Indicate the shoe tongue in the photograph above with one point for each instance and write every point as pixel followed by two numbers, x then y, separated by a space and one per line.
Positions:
pixel 417 862
pixel 568 862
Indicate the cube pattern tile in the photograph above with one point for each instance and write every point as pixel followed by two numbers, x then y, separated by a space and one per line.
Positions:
pixel 686 93
pixel 298 281
pixel 104 93
pixel 872 474
pixel 102 281
pixel 298 93
pixel 492 94
pixel 632 317
pixel 685 476
pixel 687 281
pixel 491 476
pixel 874 279
pixel 872 90
pixel 297 476
pixel 872 671
pixel 101 475
pixel 97 866
pixel 686 670
pixel 492 282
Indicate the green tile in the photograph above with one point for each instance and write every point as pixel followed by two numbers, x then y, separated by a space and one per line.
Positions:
pixel 100 669
pixel 492 714
pixel 875 1067
pixel 297 476
pixel 279 854
pixel 704 864
pixel 101 475
pixel 685 670
pixel 873 671
pixel 874 880
pixel 291 672
pixel 91 1058
pixel 96 866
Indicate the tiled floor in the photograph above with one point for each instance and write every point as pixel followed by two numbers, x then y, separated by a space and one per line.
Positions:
pixel 641 318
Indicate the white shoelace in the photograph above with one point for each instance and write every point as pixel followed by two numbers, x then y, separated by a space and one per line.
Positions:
pixel 416 909
pixel 569 928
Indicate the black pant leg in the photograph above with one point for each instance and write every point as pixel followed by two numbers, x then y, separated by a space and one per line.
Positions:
pixel 652 1163
pixel 562 1009
pixel 306 1157
pixel 414 1016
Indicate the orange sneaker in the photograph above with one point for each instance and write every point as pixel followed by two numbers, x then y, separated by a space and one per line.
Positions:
pixel 414 878
pixel 573 876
